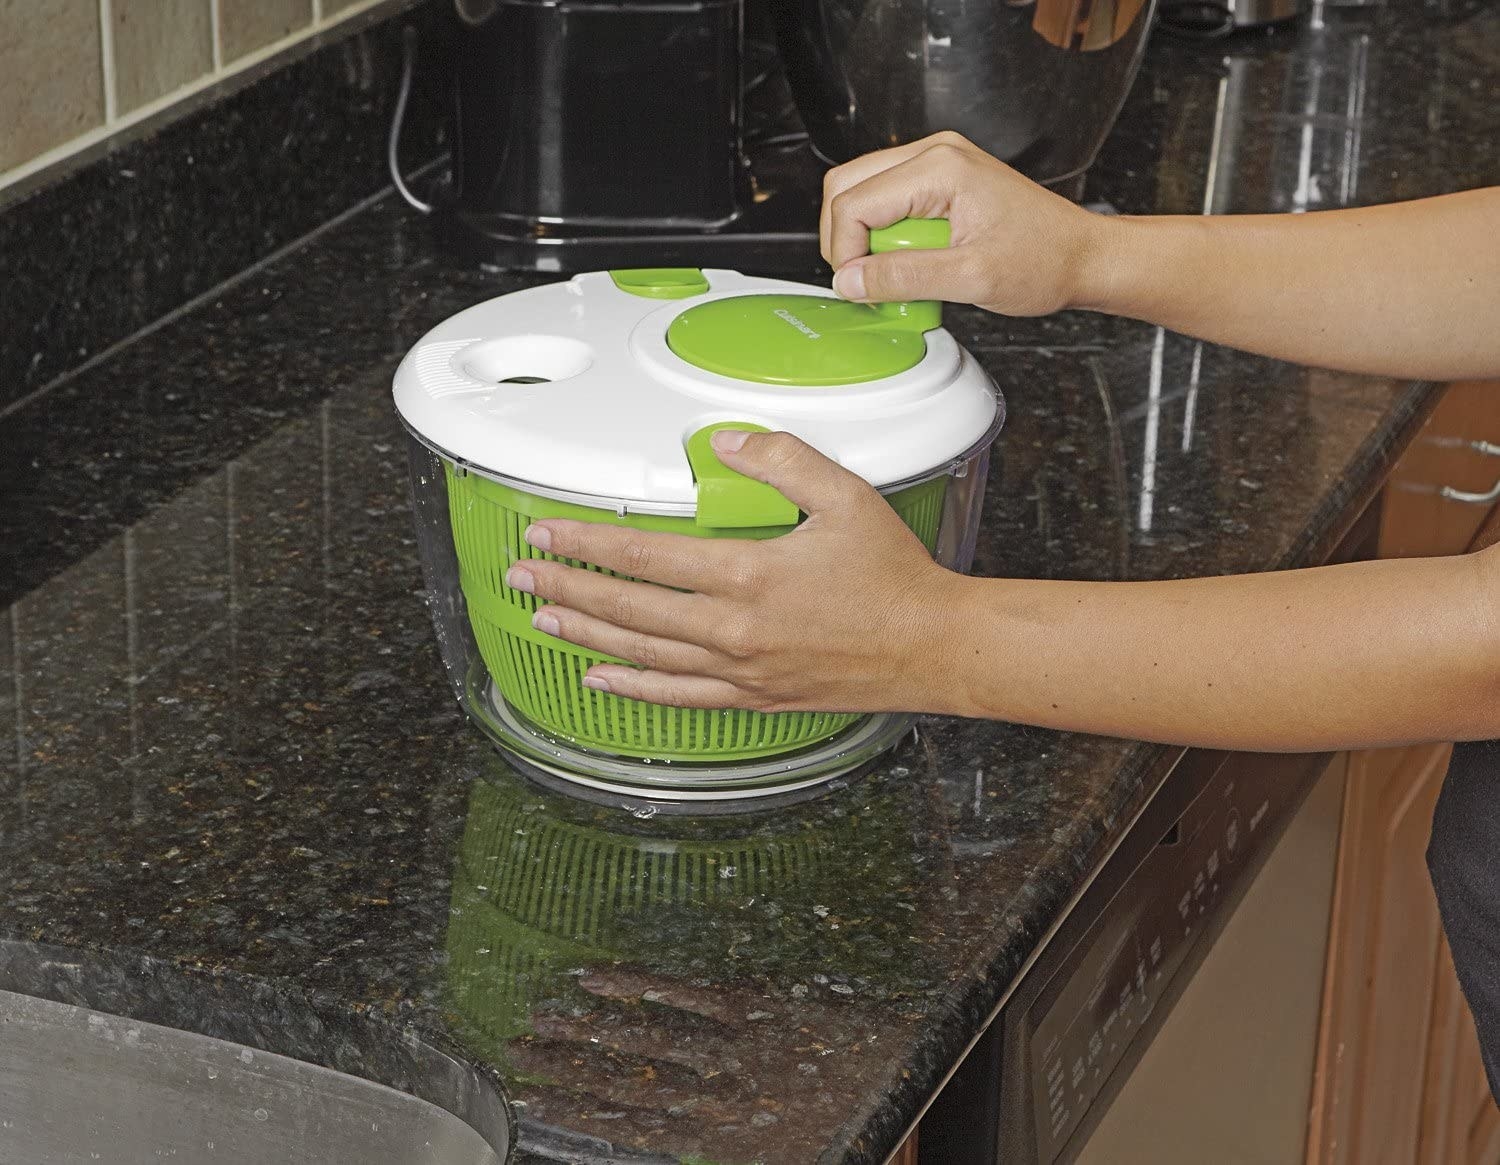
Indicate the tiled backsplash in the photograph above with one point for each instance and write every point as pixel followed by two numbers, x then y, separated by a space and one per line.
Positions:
pixel 74 72
pixel 130 228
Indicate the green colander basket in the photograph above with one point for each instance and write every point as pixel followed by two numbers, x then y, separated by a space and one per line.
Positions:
pixel 542 677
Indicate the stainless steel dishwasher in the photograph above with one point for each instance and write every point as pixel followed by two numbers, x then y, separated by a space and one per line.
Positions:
pixel 1228 1077
pixel 1172 1014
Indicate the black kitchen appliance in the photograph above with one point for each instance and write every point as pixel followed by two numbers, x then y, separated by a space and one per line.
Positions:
pixel 1043 1073
pixel 1037 83
pixel 590 134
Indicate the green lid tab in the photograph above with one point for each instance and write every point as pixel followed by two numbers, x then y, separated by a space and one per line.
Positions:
pixel 926 234
pixel 661 282
pixel 922 234
pixel 727 499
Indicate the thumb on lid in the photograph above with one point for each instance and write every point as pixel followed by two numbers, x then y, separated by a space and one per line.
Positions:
pixel 797 471
pixel 903 275
pixel 728 440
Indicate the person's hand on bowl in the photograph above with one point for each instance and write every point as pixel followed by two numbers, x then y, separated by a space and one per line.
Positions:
pixel 846 613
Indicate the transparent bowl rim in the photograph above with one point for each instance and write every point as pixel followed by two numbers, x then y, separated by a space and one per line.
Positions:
pixel 953 467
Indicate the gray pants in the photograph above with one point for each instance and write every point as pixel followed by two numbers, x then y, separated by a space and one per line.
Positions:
pixel 1464 859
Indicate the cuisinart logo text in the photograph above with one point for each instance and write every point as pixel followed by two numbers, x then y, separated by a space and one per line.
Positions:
pixel 798 324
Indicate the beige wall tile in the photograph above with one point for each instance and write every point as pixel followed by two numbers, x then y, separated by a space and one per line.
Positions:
pixel 159 45
pixel 246 25
pixel 51 80
pixel 332 6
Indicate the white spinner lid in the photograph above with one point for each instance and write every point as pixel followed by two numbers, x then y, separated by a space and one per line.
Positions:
pixel 573 388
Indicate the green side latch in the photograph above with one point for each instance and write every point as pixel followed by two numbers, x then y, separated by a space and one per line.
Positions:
pixel 661 282
pixel 728 500
pixel 928 234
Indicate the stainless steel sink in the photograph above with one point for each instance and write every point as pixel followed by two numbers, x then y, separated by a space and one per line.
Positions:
pixel 81 1086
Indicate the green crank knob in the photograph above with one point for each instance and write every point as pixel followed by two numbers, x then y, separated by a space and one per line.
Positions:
pixel 921 315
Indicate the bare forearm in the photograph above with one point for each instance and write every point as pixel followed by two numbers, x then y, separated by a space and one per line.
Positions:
pixel 1409 289
pixel 1360 655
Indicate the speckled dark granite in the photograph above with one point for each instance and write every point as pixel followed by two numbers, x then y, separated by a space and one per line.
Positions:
pixel 240 798
pixel 165 216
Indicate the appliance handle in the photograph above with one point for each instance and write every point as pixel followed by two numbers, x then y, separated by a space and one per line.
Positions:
pixel 1470 498
pixel 1486 449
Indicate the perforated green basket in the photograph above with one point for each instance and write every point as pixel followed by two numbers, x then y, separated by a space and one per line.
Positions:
pixel 542 677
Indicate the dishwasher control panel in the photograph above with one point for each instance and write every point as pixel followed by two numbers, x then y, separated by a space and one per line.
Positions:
pixel 1092 1010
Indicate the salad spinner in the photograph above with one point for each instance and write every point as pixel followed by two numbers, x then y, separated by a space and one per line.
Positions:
pixel 595 399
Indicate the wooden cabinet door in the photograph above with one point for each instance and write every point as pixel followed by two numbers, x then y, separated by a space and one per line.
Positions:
pixel 1460 1121
pixel 1457 449
pixel 1489 533
pixel 1399 1079
pixel 1383 965
pixel 907 1153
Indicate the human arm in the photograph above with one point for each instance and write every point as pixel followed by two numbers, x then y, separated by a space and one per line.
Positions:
pixel 849 613
pixel 1410 289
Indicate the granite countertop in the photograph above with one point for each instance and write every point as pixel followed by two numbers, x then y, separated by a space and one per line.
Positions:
pixel 240 798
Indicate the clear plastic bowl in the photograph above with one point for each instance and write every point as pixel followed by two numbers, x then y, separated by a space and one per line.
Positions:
pixel 525 689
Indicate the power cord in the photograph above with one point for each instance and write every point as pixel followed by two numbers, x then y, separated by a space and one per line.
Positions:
pixel 408 66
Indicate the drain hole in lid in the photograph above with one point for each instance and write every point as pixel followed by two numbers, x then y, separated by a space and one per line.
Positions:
pixel 529 359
